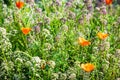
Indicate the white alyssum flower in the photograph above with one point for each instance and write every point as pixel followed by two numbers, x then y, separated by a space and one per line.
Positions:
pixel 2 31
pixel 77 63
pixel 4 41
pixel 64 28
pixel 51 64
pixel 36 60
pixel 72 76
pixel 117 53
pixel 48 46
pixel 54 76
pixel 63 76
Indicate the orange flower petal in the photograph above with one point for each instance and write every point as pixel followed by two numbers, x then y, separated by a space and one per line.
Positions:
pixel 102 35
pixel 19 4
pixel 25 30
pixel 108 2
pixel 83 42
pixel 88 67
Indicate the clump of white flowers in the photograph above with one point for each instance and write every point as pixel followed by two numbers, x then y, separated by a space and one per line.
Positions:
pixel 117 53
pixel 54 76
pixel 5 44
pixel 62 76
pixel 48 46
pixel 72 76
pixel 104 46
pixel 36 59
pixel 51 64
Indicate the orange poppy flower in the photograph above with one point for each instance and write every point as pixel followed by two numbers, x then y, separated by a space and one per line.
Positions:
pixel 25 30
pixel 108 2
pixel 102 35
pixel 83 42
pixel 88 67
pixel 19 4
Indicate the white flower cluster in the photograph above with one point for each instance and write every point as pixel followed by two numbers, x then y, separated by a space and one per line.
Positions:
pixel 42 63
pixel 63 76
pixel 5 44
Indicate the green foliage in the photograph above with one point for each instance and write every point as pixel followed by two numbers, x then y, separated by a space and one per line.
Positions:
pixel 50 51
pixel 8 2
